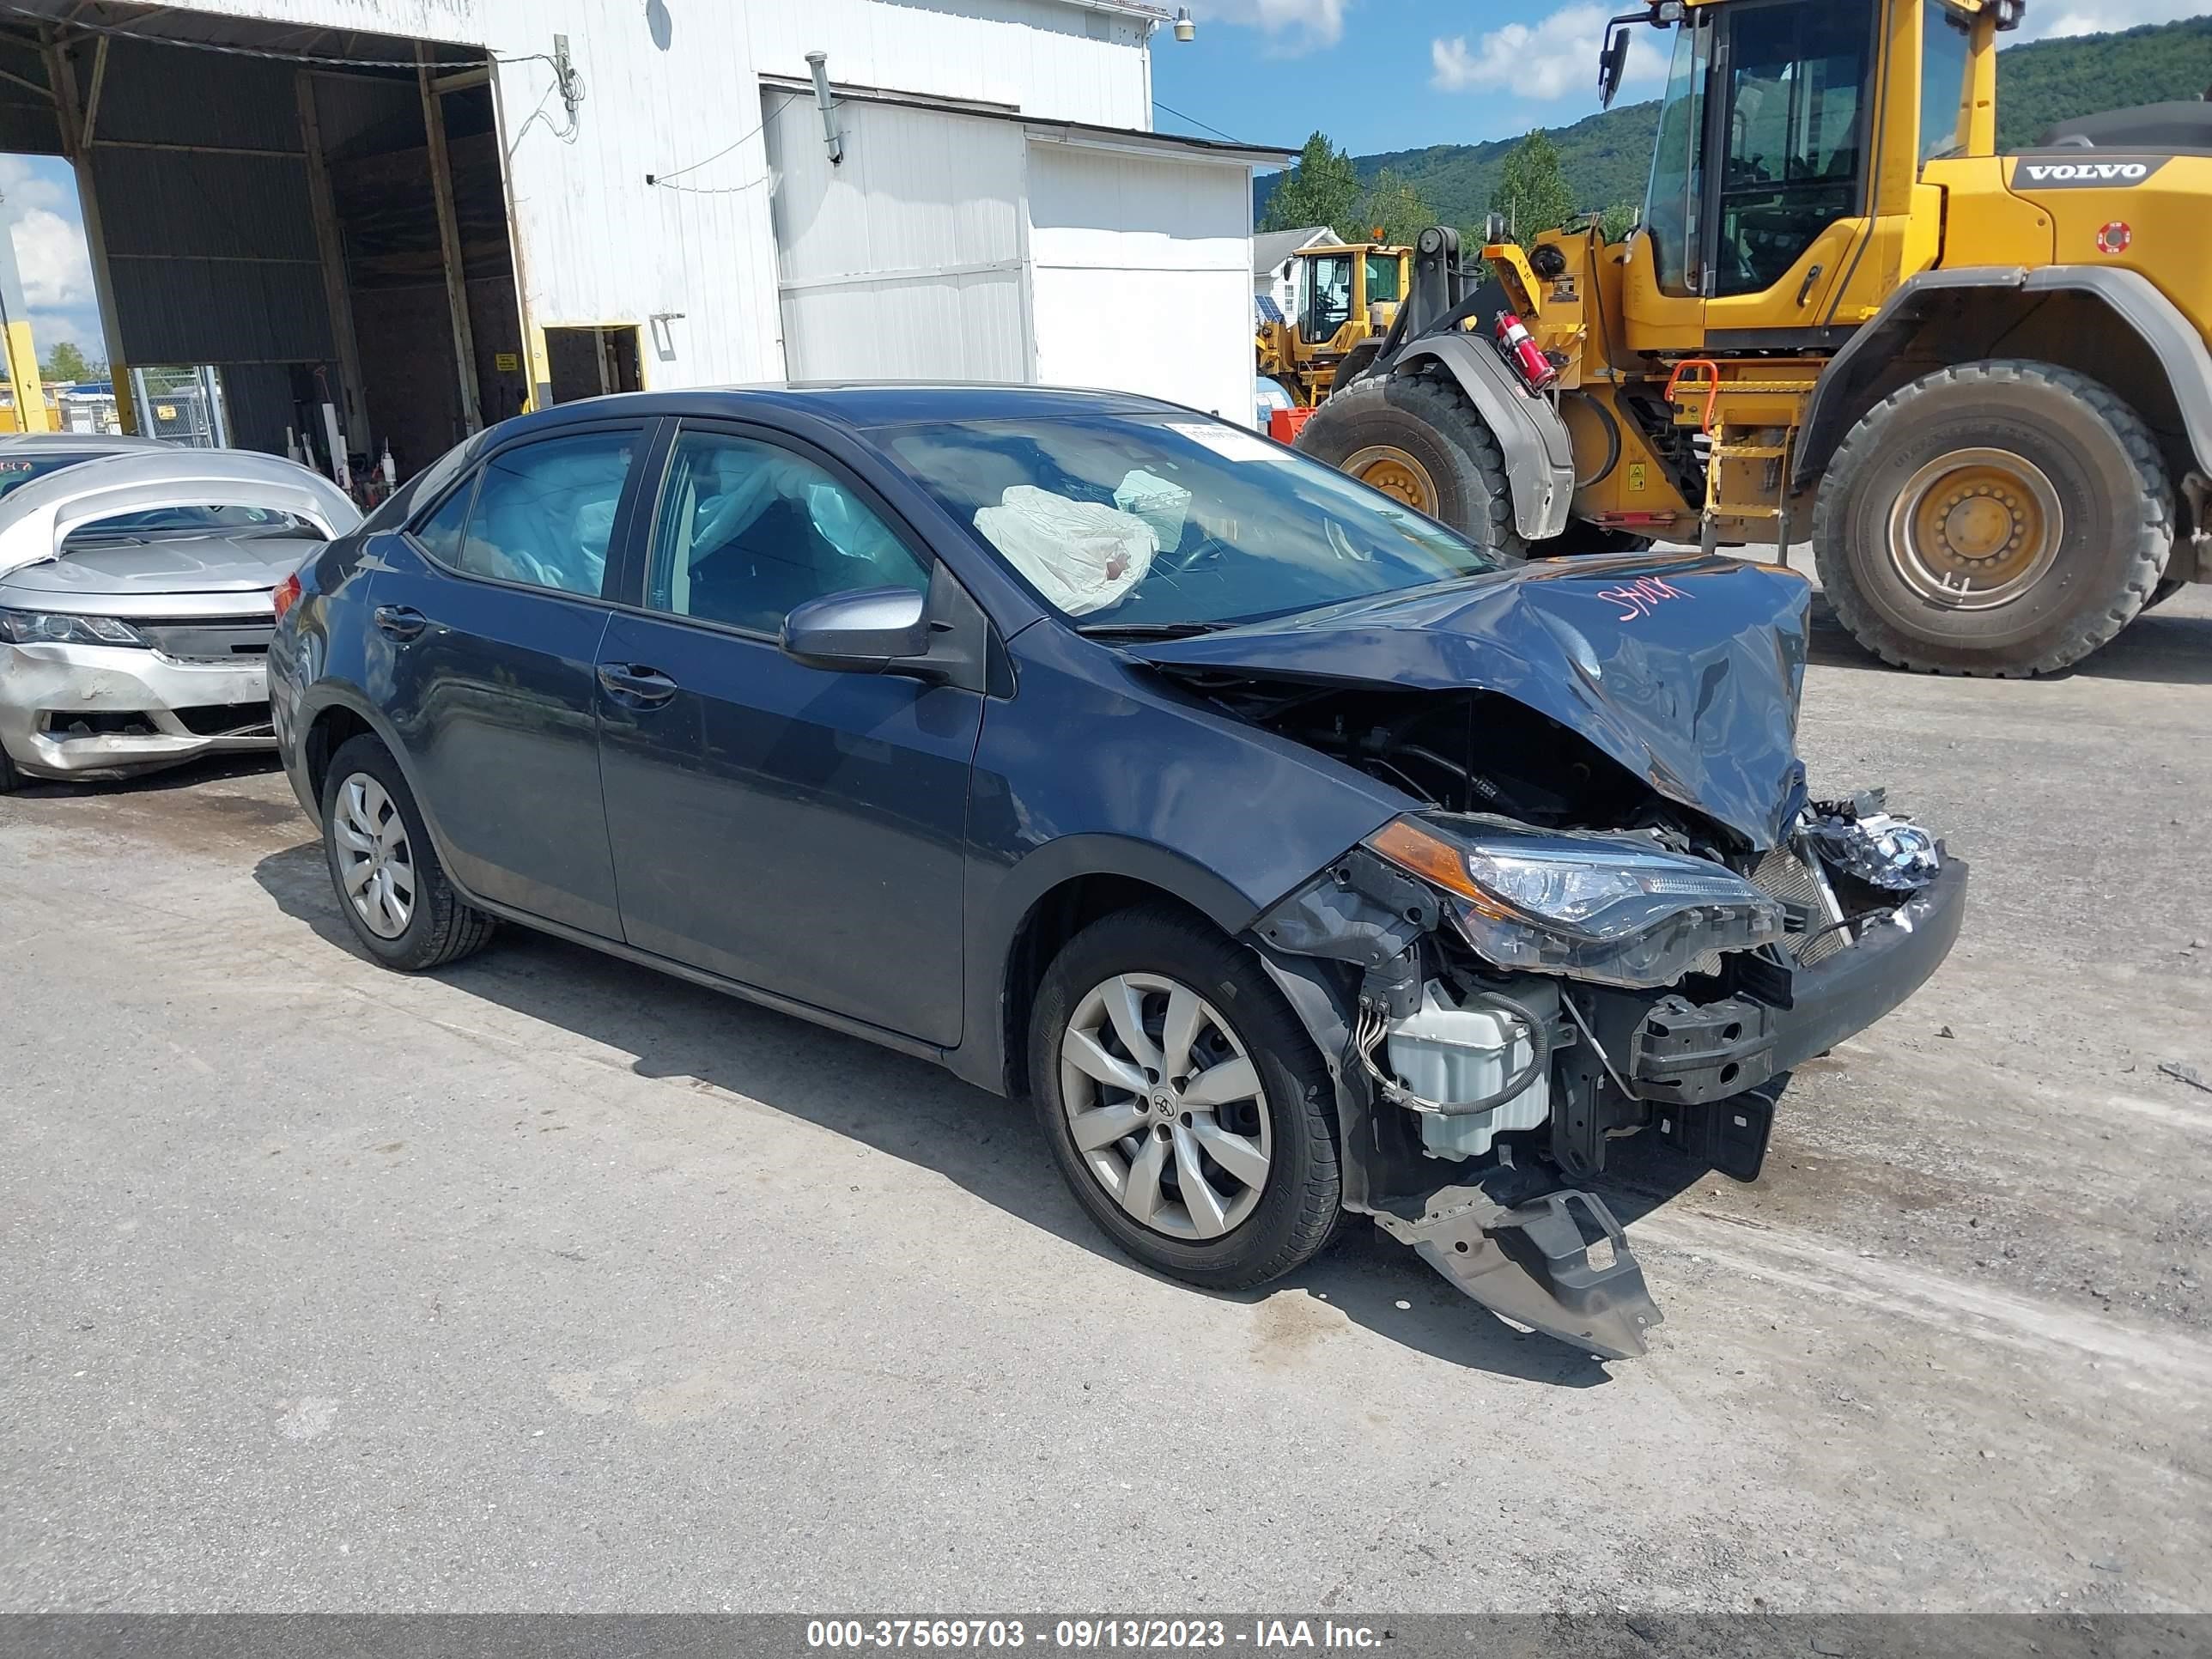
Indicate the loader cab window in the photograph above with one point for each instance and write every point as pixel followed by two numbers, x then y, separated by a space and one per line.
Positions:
pixel 1672 210
pixel 1328 294
pixel 1382 279
pixel 1944 51
pixel 1795 125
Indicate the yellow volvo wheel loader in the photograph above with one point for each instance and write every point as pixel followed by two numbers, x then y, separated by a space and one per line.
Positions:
pixel 1978 381
pixel 1348 297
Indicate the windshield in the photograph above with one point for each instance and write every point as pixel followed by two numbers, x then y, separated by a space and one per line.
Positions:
pixel 16 471
pixel 192 521
pixel 1143 524
pixel 1671 207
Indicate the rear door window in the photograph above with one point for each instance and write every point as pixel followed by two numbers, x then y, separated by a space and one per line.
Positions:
pixel 439 534
pixel 542 514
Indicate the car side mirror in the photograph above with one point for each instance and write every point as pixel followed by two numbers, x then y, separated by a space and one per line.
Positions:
pixel 871 630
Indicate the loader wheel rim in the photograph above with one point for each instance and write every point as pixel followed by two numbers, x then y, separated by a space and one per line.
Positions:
pixel 1976 529
pixel 1396 474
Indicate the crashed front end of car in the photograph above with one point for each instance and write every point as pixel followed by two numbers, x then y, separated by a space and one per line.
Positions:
pixel 135 606
pixel 1619 911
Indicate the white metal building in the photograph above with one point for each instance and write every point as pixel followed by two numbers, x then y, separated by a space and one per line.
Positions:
pixel 432 213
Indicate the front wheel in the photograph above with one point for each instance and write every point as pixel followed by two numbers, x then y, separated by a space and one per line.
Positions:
pixel 1187 1110
pixel 1998 518
pixel 390 888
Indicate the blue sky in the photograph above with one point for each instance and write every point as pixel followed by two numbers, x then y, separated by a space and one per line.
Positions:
pixel 1382 74
pixel 37 203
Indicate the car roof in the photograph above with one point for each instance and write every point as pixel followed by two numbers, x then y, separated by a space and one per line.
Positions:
pixel 857 403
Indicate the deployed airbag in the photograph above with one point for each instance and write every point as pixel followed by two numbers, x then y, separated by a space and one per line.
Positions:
pixel 1082 556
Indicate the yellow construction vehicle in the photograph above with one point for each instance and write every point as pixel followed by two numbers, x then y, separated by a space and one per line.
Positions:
pixel 1978 381
pixel 1348 297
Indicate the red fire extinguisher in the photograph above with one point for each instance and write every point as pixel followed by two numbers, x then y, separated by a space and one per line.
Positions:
pixel 1537 371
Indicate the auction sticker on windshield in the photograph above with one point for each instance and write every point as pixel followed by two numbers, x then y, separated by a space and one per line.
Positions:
pixel 1231 443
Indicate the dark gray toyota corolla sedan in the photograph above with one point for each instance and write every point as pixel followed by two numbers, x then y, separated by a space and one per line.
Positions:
pixel 1292 856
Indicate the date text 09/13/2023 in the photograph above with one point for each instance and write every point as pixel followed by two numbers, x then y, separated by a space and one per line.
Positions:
pixel 1260 1635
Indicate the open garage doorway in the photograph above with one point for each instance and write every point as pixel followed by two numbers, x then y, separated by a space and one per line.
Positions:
pixel 590 362
pixel 331 236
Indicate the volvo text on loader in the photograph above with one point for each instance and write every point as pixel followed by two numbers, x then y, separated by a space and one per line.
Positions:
pixel 1978 381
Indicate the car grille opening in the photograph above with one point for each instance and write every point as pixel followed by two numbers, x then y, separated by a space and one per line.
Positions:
pixel 223 640
pixel 1791 879
pixel 226 720
pixel 68 724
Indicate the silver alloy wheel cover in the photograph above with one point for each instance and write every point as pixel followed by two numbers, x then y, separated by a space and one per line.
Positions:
pixel 1132 1121
pixel 376 866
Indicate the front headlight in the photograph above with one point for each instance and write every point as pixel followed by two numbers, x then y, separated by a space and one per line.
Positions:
pixel 1609 909
pixel 53 627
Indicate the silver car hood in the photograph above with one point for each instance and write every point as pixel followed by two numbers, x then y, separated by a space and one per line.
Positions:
pixel 146 577
pixel 37 520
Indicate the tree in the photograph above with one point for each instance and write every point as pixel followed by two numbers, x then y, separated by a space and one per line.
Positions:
pixel 1617 220
pixel 1391 210
pixel 1322 189
pixel 1532 191
pixel 66 361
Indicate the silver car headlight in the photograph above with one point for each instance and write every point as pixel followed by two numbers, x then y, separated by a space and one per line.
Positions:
pixel 56 628
pixel 1610 910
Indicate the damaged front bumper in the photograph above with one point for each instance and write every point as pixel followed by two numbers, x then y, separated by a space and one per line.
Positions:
pixel 101 712
pixel 1702 1063
pixel 1697 1053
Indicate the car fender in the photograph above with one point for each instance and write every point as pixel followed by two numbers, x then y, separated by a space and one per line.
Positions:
pixel 1539 455
pixel 318 699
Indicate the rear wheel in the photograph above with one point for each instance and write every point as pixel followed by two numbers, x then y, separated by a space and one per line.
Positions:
pixel 1187 1110
pixel 1419 441
pixel 2000 517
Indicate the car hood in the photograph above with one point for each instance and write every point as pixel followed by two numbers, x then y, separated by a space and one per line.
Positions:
pixel 1686 670
pixel 38 520
pixel 166 564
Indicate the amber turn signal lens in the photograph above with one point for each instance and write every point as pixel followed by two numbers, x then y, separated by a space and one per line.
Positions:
pixel 286 594
pixel 1422 853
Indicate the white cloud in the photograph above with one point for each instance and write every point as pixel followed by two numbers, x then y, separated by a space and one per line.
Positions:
pixel 1550 59
pixel 1306 23
pixel 56 270
pixel 2096 16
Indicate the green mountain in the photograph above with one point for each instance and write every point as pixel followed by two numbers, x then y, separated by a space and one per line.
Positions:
pixel 1606 158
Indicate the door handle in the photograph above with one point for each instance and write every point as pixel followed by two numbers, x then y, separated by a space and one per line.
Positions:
pixel 1805 292
pixel 633 683
pixel 401 622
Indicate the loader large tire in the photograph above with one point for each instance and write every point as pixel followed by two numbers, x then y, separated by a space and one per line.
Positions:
pixel 1416 438
pixel 2003 518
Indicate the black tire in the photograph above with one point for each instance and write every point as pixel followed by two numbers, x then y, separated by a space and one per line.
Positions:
pixel 1579 539
pixel 1357 362
pixel 11 779
pixel 2110 483
pixel 1426 417
pixel 1301 1195
pixel 442 927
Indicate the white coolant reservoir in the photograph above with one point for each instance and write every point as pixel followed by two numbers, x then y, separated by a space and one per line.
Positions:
pixel 1451 1054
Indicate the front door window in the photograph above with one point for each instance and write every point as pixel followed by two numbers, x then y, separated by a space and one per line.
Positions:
pixel 1796 143
pixel 1328 304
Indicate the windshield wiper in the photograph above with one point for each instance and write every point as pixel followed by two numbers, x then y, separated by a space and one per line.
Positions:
pixel 1182 631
